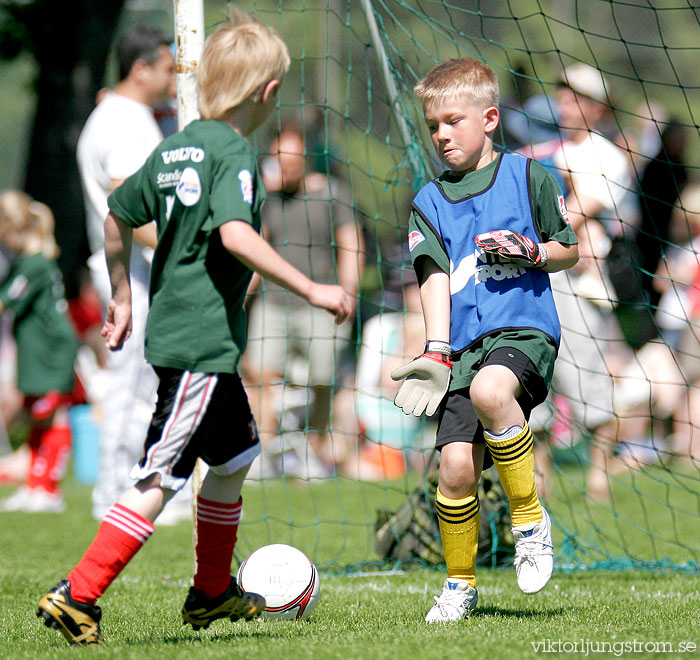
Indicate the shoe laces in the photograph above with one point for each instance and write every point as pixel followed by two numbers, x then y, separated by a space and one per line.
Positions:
pixel 440 604
pixel 454 599
pixel 528 548
pixel 525 556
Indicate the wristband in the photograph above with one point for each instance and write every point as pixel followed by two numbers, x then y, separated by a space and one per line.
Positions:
pixel 432 346
pixel 438 357
pixel 544 257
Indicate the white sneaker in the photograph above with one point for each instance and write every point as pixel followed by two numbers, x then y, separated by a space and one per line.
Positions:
pixel 16 501
pixel 534 555
pixel 40 501
pixel 34 500
pixel 455 603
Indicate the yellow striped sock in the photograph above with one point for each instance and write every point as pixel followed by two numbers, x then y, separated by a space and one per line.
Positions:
pixel 515 461
pixel 459 528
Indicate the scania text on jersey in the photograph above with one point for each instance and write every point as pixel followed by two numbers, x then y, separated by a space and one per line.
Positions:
pixel 168 179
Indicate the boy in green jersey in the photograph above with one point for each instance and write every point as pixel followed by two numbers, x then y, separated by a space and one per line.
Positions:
pixel 47 346
pixel 483 237
pixel 203 189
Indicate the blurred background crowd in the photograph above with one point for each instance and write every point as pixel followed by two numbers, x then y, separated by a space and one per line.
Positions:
pixel 337 209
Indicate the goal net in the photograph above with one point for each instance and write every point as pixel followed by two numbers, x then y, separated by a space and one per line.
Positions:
pixel 619 472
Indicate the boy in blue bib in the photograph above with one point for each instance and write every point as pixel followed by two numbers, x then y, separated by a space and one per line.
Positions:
pixel 483 237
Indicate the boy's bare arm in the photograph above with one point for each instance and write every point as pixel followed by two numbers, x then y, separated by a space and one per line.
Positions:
pixel 428 376
pixel 561 256
pixel 244 243
pixel 436 302
pixel 350 255
pixel 146 235
pixel 118 238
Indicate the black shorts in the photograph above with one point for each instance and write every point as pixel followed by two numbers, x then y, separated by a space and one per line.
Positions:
pixel 198 415
pixel 457 419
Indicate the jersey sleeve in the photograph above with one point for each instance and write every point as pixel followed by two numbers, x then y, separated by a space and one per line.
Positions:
pixel 549 208
pixel 424 242
pixel 234 189
pixel 19 290
pixel 133 201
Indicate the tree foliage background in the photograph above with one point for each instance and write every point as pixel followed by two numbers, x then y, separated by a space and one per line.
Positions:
pixel 54 57
pixel 68 43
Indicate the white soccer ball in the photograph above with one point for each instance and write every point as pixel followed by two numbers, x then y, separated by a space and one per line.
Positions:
pixel 286 578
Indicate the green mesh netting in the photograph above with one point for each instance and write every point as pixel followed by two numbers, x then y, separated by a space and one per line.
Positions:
pixel 354 65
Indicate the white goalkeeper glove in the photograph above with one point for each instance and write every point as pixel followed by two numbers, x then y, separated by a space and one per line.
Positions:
pixel 427 379
pixel 513 247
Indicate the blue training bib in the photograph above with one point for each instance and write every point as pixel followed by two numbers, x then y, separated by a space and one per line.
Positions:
pixel 489 294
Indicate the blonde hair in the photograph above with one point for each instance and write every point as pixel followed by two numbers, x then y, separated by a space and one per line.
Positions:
pixel 25 218
pixel 461 78
pixel 239 58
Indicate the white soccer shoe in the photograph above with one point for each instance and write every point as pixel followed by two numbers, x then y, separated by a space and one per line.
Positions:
pixel 33 500
pixel 534 555
pixel 455 603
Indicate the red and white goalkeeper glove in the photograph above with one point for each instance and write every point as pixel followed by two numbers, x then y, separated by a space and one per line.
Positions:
pixel 513 247
pixel 427 379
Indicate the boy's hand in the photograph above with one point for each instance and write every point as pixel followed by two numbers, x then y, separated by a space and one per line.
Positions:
pixel 514 247
pixel 117 326
pixel 427 378
pixel 334 299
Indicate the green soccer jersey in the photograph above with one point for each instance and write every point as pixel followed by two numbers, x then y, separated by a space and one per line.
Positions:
pixel 549 215
pixel 46 342
pixel 194 182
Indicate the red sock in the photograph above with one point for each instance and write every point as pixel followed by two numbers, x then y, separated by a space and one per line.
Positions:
pixel 36 463
pixel 119 537
pixel 217 528
pixel 49 457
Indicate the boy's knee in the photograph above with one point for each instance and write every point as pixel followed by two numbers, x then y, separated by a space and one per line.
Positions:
pixel 493 391
pixel 457 478
pixel 488 399
pixel 457 489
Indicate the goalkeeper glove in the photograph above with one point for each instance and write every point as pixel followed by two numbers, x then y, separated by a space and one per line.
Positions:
pixel 427 379
pixel 513 247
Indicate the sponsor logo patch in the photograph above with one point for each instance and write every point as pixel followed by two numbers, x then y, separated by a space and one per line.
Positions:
pixel 18 287
pixel 562 207
pixel 246 179
pixel 482 267
pixel 414 238
pixel 189 188
pixel 195 154
pixel 168 179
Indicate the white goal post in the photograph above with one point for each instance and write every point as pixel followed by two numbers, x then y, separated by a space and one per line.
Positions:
pixel 189 44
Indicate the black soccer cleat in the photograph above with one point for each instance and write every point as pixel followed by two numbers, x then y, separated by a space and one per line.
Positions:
pixel 234 604
pixel 78 622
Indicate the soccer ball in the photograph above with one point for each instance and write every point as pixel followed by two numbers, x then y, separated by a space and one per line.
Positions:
pixel 287 579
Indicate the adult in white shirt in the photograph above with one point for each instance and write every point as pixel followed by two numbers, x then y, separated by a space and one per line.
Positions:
pixel 118 136
pixel 597 176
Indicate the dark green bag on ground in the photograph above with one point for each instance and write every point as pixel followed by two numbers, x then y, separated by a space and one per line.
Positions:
pixel 412 534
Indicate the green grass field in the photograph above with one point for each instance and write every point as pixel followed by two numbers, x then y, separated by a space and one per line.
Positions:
pixel 366 614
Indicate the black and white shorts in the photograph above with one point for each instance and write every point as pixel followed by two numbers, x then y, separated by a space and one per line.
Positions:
pixel 198 415
pixel 458 421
